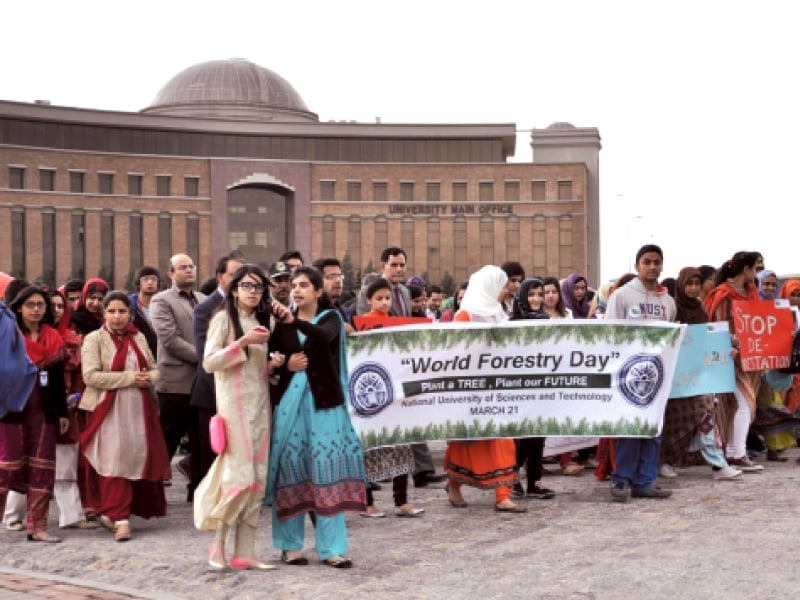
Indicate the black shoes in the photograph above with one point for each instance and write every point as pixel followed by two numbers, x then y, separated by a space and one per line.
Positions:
pixel 423 479
pixel 651 492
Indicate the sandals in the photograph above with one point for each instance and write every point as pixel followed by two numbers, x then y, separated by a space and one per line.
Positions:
pixel 510 507
pixel 14 525
pixel 571 468
pixel 293 557
pixel 122 533
pixel 254 564
pixel 411 511
pixel 338 562
pixel 455 503
pixel 43 536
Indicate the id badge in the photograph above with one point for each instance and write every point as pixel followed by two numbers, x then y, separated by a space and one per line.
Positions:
pixel 43 380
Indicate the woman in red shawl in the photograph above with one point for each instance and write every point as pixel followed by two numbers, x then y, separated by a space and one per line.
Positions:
pixel 123 439
pixel 735 280
pixel 28 438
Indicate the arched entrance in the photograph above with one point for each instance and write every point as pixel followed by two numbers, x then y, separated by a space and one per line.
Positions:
pixel 260 218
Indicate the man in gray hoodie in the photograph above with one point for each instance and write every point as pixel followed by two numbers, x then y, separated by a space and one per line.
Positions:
pixel 642 298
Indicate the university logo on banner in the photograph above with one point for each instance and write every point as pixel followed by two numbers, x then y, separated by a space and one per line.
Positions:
pixel 765 330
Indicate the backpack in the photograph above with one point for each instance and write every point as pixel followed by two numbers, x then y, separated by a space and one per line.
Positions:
pixel 17 372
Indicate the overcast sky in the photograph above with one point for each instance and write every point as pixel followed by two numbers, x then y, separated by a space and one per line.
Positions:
pixel 696 102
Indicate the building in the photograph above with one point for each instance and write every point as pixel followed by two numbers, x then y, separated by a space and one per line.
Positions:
pixel 228 156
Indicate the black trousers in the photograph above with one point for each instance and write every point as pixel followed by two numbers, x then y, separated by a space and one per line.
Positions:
pixel 202 456
pixel 399 491
pixel 530 451
pixel 174 417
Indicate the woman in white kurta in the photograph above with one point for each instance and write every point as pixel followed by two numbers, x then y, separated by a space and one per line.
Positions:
pixel 236 352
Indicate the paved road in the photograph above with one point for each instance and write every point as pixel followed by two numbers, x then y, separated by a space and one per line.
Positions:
pixel 710 540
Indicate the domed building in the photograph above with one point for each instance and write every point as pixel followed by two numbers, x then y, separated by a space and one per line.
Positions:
pixel 228 156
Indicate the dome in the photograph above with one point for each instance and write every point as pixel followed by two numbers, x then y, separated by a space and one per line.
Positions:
pixel 234 89
pixel 561 125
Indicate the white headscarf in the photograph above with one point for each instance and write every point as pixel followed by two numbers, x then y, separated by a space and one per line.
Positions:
pixel 481 300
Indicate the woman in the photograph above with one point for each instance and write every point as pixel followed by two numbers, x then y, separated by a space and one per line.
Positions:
pixel 767 284
pixel 690 423
pixel 576 299
pixel 86 318
pixel 447 315
pixel 123 441
pixel 485 464
pixel 28 438
pixel 735 280
pixel 316 460
pixel 236 352
pixel 553 300
pixel 529 304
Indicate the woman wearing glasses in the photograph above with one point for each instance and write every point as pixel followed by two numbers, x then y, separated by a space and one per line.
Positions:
pixel 236 353
pixel 28 438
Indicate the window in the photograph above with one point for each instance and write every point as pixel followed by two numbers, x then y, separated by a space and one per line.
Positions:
pixel 433 191
pixel 486 191
pixel 16 178
pixel 105 183
pixel 136 242
pixel 538 191
pixel 47 180
pixel 326 189
pixel 191 187
pixel 486 232
pixel 18 241
pixel 565 190
pixel 354 191
pixel 77 226
pixel 565 243
pixel 381 232
pixel 165 242
pixel 460 251
pixel 406 191
pixel 512 191
pixel 107 246
pixel 193 235
pixel 76 182
pixel 237 239
pixel 380 191
pixel 163 184
pixel 354 239
pixel 459 191
pixel 135 185
pixel 434 239
pixel 49 246
pixel 539 244
pixel 328 236
pixel 407 237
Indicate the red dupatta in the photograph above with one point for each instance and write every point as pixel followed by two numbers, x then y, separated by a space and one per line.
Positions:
pixel 157 462
pixel 47 350
pixel 726 291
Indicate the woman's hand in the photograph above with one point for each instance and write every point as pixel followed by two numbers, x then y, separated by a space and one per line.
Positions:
pixel 276 361
pixel 63 425
pixel 257 335
pixel 297 362
pixel 142 379
pixel 282 313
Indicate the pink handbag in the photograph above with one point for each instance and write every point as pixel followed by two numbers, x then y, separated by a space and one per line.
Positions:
pixel 216 431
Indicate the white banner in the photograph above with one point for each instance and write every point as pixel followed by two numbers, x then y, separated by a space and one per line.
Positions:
pixel 522 378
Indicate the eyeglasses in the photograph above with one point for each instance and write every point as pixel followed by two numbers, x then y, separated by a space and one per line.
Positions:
pixel 251 287
pixel 155 277
pixel 185 267
pixel 334 276
pixel 33 305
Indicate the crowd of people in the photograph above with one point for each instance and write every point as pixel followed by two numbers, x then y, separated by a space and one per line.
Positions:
pixel 248 376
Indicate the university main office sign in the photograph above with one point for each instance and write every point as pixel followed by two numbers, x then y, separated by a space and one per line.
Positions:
pixel 522 378
pixel 481 208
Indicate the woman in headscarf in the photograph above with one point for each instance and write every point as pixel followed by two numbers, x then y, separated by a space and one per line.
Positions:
pixel 735 280
pixel 690 423
pixel 767 284
pixel 448 314
pixel 790 291
pixel 485 464
pixel 123 440
pixel 575 290
pixel 88 316
pixel 28 437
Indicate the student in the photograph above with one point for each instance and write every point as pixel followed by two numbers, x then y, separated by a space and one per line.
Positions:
pixel 641 299
pixel 394 462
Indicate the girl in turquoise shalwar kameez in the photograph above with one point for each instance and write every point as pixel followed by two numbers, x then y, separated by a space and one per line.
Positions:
pixel 316 459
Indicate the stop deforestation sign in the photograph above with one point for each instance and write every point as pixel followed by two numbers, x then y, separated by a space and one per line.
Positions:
pixel 765 330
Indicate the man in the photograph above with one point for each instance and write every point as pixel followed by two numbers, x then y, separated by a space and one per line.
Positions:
pixel 280 276
pixel 640 299
pixel 393 266
pixel 333 284
pixel 393 270
pixel 171 316
pixel 147 282
pixel 515 274
pixel 292 259
pixel 203 402
pixel 73 289
pixel 435 297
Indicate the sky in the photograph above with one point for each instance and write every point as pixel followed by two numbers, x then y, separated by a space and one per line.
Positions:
pixel 696 102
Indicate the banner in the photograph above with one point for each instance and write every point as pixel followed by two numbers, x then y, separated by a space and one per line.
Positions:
pixel 520 378
pixel 705 365
pixel 765 329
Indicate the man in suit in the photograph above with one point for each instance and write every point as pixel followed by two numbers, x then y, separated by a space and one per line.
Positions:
pixel 171 316
pixel 203 402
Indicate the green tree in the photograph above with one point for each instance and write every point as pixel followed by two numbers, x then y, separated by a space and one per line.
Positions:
pixel 448 284
pixel 351 281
